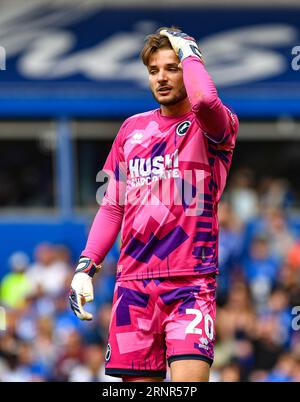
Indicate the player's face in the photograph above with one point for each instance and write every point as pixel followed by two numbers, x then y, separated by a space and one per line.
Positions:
pixel 165 77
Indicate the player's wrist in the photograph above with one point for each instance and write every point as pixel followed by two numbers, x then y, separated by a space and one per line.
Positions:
pixel 87 266
pixel 189 50
pixel 183 44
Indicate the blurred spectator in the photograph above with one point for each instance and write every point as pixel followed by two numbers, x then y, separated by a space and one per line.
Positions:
pixel 93 368
pixel 275 193
pixel 290 281
pixel 267 342
pixel 70 356
pixel 230 248
pixel 15 285
pixel 236 320
pixel 64 321
pixel 45 347
pixel 50 271
pixel 261 270
pixel 96 331
pixel 293 256
pixel 231 372
pixel 243 197
pixel 280 239
pixel 278 306
pixel 283 370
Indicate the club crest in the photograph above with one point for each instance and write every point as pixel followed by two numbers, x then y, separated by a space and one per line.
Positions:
pixel 182 128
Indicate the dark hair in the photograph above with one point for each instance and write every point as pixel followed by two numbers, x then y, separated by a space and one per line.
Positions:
pixel 154 42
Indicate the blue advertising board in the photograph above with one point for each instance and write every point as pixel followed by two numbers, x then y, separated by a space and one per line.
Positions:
pixel 76 61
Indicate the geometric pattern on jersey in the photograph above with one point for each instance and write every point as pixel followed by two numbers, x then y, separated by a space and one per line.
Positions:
pixel 155 320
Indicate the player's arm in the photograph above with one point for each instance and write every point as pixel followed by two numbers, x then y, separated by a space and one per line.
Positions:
pixel 212 114
pixel 103 232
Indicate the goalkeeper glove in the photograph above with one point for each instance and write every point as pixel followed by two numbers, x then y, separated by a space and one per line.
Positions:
pixel 81 290
pixel 183 44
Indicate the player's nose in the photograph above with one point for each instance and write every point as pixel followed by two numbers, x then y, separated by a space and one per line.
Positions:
pixel 162 76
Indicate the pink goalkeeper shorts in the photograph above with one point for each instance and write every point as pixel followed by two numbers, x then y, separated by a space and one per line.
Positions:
pixel 159 320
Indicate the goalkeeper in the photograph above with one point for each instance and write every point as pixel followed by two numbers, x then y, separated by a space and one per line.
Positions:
pixel 168 168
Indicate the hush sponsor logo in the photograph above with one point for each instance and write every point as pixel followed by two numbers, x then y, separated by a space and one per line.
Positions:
pixel 146 171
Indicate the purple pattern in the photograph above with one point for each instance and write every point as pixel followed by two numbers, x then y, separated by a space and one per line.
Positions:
pixel 223 156
pixel 161 248
pixel 206 270
pixel 212 185
pixel 156 281
pixel 206 214
pixel 187 293
pixel 117 172
pixel 159 149
pixel 129 298
pixel 207 225
pixel 212 150
pixel 146 282
pixel 200 252
pixel 204 236
pixel 181 185
pixel 203 351
pixel 205 197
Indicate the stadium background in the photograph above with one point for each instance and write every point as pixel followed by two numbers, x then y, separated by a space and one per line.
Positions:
pixel 71 76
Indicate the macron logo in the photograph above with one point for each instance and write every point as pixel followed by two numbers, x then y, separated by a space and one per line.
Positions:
pixel 137 138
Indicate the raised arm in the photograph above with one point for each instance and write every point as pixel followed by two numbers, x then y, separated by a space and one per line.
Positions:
pixel 203 96
pixel 211 113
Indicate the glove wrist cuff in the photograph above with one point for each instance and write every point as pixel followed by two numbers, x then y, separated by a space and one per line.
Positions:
pixel 87 266
pixel 189 50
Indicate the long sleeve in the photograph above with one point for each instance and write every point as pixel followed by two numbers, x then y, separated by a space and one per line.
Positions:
pixel 103 233
pixel 208 107
pixel 108 220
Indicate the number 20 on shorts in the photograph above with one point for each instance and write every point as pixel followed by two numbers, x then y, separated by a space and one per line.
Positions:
pixel 191 328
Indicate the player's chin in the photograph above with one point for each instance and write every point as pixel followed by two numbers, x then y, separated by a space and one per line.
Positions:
pixel 166 100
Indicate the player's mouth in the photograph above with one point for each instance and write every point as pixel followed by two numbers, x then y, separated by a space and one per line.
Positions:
pixel 164 90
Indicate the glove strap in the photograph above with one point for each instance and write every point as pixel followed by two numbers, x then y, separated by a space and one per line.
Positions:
pixel 190 49
pixel 87 266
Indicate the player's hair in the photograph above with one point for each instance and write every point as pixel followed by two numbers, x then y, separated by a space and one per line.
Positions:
pixel 154 42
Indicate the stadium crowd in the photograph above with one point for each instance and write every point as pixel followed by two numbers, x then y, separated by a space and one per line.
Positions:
pixel 258 338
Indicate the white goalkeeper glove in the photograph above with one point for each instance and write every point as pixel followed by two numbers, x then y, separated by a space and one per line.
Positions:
pixel 183 44
pixel 81 290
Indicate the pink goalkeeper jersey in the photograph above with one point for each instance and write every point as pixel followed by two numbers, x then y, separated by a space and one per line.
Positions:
pixel 167 175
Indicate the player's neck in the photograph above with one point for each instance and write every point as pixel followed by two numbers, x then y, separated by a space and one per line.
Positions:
pixel 178 109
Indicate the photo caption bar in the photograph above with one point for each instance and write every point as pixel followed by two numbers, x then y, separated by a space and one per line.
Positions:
pixel 134 391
